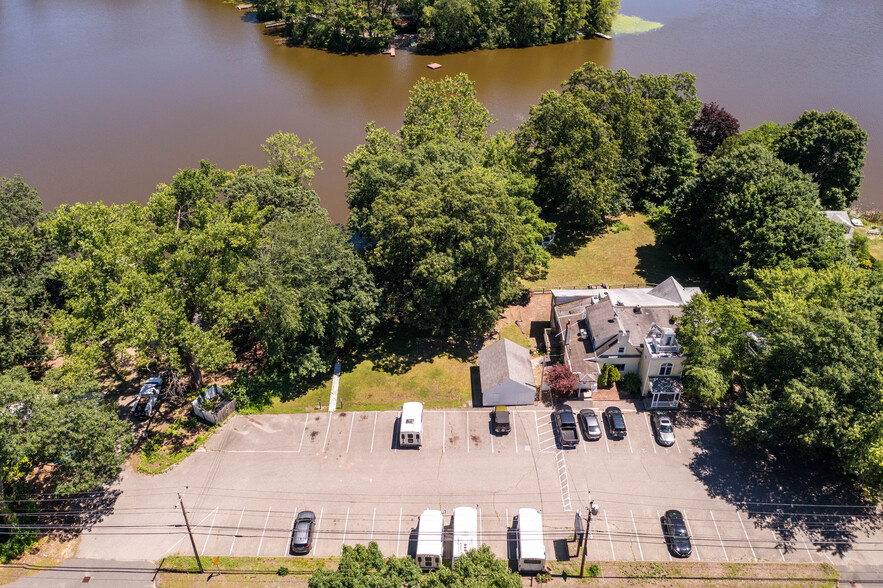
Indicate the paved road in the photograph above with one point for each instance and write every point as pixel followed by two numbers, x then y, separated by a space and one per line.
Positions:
pixel 243 492
pixel 101 573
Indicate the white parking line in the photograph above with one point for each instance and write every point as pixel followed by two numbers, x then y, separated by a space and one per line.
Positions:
pixel 677 445
pixel 304 432
pixel 640 550
pixel 467 431
pixel 327 430
pixel 479 526
pixel 719 535
pixel 746 535
pixel 664 539
pixel 346 522
pixel 609 538
pixel 258 554
pixel 649 428
pixel 776 539
pixel 237 531
pixel 492 442
pixel 629 439
pixel 693 542
pixel 373 516
pixel 287 546
pixel 806 545
pixel 515 432
pixel 374 430
pixel 606 444
pixel 350 438
pixel 399 534
pixel 318 526
pixel 196 525
pixel 444 429
pixel 212 526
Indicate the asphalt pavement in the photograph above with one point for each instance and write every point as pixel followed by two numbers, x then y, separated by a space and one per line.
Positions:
pixel 93 572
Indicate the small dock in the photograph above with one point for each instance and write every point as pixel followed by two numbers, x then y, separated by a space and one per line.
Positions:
pixel 392 51
pixel 244 6
pixel 434 65
pixel 603 36
pixel 273 24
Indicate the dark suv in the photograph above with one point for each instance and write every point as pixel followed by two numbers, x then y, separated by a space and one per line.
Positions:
pixel 302 534
pixel 615 422
pixel 676 535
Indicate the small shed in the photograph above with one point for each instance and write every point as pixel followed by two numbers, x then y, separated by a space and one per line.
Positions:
pixel 506 374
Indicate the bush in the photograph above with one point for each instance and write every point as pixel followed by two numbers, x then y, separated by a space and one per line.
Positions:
pixel 544 577
pixel 619 227
pixel 603 379
pixel 282 571
pixel 594 570
pixel 631 382
pixel 612 375
pixel 562 381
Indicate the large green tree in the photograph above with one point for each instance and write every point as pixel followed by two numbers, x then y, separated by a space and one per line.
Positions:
pixel 830 147
pixel 447 108
pixel 748 211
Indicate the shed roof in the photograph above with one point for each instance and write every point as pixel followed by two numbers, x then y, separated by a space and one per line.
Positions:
pixel 505 360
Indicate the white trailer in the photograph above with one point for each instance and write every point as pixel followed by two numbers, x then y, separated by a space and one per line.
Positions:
pixel 465 533
pixel 411 425
pixel 429 540
pixel 530 545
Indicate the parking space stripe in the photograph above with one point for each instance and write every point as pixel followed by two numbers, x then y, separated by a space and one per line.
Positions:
pixel 690 531
pixel 609 537
pixel 318 527
pixel 467 431
pixel 719 538
pixel 806 545
pixel 373 431
pixel 638 539
pixel 479 526
pixel 776 544
pixel 629 439
pixel 399 534
pixel 346 522
pixel 350 438
pixel 327 430
pixel 373 516
pixel 237 531
pixel 212 526
pixel 492 442
pixel 515 433
pixel 444 429
pixel 185 535
pixel 649 428
pixel 264 530
pixel 606 444
pixel 287 546
pixel 304 432
pixel 746 535
pixel 664 540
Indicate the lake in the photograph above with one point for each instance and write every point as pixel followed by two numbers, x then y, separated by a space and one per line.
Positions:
pixel 104 99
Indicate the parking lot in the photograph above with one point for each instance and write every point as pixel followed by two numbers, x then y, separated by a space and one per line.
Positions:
pixel 243 492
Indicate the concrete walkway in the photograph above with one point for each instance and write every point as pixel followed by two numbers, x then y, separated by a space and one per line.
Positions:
pixel 335 383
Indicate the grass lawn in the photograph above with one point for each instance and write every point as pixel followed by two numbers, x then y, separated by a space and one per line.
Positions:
pixel 628 257
pixel 178 572
pixel 631 25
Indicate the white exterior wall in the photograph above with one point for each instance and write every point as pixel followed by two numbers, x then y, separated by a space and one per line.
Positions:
pixel 650 368
pixel 509 393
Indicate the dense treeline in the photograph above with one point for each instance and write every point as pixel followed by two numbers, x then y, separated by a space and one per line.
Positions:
pixel 443 25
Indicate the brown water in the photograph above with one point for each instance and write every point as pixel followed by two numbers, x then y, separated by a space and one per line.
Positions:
pixel 103 99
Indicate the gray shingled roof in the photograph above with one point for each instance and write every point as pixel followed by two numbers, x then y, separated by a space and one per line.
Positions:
pixel 604 325
pixel 502 361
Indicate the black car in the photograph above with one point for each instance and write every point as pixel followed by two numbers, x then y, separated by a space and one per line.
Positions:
pixel 615 422
pixel 501 420
pixel 302 534
pixel 590 425
pixel 568 434
pixel 676 535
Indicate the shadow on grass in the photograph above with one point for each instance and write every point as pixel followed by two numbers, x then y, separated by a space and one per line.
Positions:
pixel 657 262
pixel 398 349
pixel 570 238
pixel 783 492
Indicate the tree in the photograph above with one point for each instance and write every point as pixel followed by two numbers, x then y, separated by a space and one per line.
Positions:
pixel 318 298
pixel 289 158
pixel 748 211
pixel 600 15
pixel 450 251
pixel 830 147
pixel 562 381
pixel 365 566
pixel 575 158
pixel 24 275
pixel 447 108
pixel 711 128
pixel 766 135
pixel 713 333
pixel 277 197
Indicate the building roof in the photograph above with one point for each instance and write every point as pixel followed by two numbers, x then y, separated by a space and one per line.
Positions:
pixel 667 293
pixel 840 217
pixel 505 360
pixel 605 319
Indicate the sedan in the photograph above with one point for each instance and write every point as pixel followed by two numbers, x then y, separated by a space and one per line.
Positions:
pixel 615 422
pixel 590 425
pixel 665 433
pixel 302 534
pixel 675 530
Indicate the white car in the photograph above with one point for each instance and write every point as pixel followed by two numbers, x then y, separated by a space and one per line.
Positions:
pixel 858 222
pixel 147 398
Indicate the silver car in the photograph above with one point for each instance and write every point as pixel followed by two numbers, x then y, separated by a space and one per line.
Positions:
pixel 665 432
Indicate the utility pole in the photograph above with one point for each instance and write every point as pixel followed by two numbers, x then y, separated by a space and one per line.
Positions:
pixel 189 532
pixel 593 510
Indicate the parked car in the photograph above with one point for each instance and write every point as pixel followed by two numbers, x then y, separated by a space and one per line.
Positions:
pixel 676 536
pixel 147 398
pixel 302 533
pixel 590 425
pixel 615 422
pixel 567 430
pixel 501 420
pixel 665 432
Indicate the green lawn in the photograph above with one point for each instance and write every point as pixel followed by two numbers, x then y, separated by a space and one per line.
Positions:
pixel 627 257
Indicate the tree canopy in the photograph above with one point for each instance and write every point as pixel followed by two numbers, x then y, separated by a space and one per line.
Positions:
pixel 712 127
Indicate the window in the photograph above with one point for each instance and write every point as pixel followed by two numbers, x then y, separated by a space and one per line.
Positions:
pixel 619 366
pixel 665 369
pixel 620 351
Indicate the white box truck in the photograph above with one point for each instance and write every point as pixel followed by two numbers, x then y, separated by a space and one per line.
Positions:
pixel 531 549
pixel 465 531
pixel 411 425
pixel 429 540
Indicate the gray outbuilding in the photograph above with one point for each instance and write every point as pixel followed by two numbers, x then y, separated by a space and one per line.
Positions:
pixel 506 374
